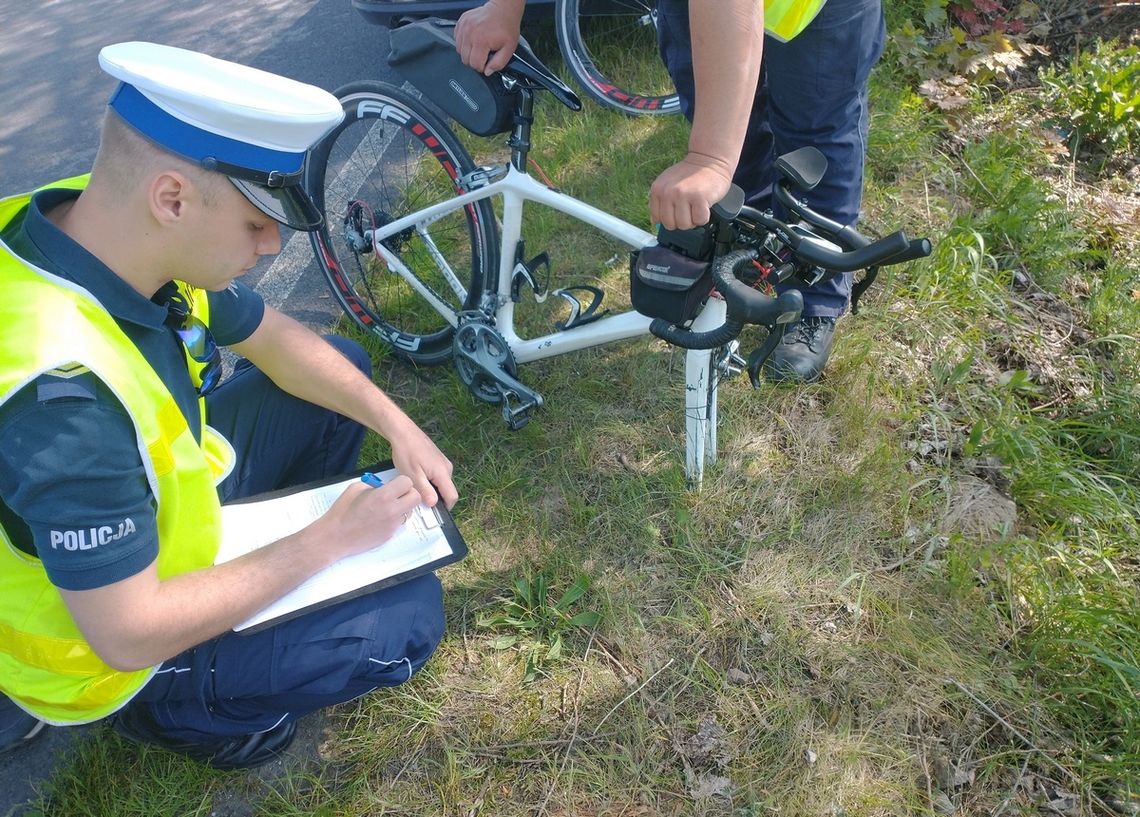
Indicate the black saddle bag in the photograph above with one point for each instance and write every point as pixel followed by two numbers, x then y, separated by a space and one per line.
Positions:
pixel 424 53
pixel 672 279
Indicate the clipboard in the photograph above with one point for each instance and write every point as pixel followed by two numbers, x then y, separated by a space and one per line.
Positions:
pixel 428 541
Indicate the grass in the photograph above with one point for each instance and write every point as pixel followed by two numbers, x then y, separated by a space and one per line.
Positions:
pixel 909 589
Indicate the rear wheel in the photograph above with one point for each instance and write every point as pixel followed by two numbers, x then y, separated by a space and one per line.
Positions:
pixel 610 46
pixel 391 156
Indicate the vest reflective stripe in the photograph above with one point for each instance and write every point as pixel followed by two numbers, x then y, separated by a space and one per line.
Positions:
pixel 784 19
pixel 68 656
pixel 46 666
pixel 169 418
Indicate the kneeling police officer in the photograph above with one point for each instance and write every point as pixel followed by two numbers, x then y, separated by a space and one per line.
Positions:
pixel 118 442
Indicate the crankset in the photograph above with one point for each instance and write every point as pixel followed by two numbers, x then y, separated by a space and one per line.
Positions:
pixel 488 369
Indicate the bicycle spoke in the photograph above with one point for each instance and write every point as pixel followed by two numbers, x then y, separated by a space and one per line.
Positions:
pixel 388 159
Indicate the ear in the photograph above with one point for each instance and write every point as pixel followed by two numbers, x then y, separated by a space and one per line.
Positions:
pixel 167 196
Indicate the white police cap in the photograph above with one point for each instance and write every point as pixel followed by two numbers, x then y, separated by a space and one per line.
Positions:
pixel 250 125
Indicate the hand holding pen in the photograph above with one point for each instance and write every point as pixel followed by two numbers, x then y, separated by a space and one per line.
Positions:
pixel 367 514
pixel 375 481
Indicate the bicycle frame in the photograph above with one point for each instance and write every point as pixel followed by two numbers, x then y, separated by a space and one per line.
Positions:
pixel 516 188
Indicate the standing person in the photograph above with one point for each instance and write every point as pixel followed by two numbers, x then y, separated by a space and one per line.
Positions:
pixel 116 292
pixel 812 91
pixel 751 98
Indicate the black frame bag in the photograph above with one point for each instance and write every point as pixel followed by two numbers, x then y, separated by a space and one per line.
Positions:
pixel 424 53
pixel 672 279
pixel 665 284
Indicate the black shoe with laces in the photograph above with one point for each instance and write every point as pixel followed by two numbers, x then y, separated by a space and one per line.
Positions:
pixel 243 752
pixel 802 353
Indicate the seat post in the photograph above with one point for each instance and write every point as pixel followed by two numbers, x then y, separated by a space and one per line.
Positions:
pixel 519 142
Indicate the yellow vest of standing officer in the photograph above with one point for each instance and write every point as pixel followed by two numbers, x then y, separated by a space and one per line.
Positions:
pixel 784 19
pixel 46 666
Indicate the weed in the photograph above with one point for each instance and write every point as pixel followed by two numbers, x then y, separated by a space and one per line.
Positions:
pixel 536 624
pixel 1096 97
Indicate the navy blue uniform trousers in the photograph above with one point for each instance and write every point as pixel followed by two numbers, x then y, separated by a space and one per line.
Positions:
pixel 239 684
pixel 812 91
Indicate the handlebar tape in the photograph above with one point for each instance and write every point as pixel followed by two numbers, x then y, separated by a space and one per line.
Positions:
pixel 745 305
pixel 751 305
pixel 711 339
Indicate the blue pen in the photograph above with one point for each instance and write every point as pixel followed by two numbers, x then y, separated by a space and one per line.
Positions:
pixel 368 478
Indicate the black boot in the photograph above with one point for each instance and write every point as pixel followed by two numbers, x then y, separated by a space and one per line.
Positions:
pixel 802 353
pixel 243 752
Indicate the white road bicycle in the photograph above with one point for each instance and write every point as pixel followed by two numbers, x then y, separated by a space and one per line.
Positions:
pixel 413 251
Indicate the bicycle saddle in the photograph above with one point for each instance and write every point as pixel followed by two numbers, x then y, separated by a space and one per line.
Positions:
pixel 524 67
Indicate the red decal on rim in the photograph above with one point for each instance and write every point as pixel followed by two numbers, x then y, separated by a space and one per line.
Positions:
pixel 345 289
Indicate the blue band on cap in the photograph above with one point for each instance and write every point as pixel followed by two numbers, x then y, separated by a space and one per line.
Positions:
pixel 194 143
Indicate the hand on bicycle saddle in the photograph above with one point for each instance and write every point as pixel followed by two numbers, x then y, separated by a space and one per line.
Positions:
pixel 487 36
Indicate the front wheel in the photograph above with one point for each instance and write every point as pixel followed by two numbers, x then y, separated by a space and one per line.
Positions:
pixel 610 46
pixel 390 157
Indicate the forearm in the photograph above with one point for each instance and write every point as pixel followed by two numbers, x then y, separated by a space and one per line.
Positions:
pixel 304 365
pixel 307 367
pixel 142 620
pixel 170 616
pixel 728 39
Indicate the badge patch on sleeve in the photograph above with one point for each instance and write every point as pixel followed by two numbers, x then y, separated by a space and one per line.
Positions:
pixel 90 538
pixel 66 382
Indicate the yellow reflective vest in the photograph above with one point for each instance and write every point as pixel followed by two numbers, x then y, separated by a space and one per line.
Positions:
pixel 46 665
pixel 784 19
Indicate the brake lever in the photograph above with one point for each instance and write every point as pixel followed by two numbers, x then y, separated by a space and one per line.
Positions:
pixel 764 351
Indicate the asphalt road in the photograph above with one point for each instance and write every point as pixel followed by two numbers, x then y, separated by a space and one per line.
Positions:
pixel 52 93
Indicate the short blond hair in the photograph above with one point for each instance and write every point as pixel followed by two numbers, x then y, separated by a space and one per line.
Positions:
pixel 126 160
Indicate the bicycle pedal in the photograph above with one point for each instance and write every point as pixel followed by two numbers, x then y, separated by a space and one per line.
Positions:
pixel 518 415
pixel 579 316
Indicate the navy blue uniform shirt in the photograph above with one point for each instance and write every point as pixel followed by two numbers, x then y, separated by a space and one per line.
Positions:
pixel 73 490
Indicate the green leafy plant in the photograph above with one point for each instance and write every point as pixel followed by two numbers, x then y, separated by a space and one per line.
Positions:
pixel 537 624
pixel 981 40
pixel 1097 96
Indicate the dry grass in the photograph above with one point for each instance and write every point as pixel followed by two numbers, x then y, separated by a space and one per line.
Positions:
pixel 830 626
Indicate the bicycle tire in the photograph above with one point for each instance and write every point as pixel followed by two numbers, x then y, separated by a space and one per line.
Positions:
pixel 610 48
pixel 391 156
